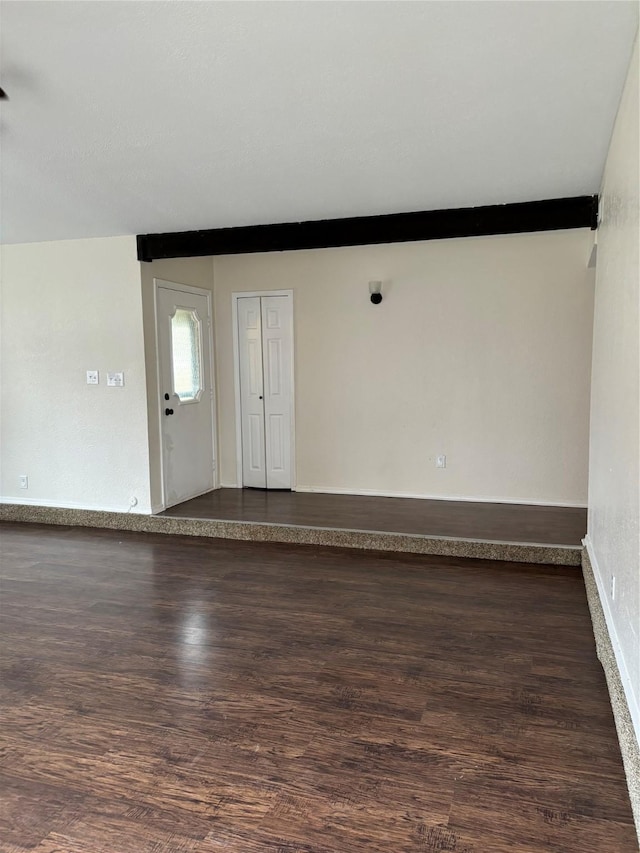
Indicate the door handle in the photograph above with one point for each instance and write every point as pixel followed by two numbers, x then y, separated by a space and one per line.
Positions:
pixel 168 411
pixel 260 397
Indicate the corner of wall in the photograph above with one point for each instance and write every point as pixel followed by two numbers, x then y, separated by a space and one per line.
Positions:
pixel 612 546
pixel 626 712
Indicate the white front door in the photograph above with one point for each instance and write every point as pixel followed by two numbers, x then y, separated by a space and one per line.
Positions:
pixel 265 342
pixel 186 391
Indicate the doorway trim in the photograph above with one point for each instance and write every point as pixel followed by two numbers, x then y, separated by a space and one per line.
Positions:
pixel 236 378
pixel 199 291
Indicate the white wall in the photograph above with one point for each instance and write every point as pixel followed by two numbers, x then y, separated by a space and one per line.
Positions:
pixel 614 470
pixel 195 272
pixel 67 307
pixel 480 350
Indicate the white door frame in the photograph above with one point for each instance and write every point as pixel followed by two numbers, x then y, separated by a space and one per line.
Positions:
pixel 199 291
pixel 236 379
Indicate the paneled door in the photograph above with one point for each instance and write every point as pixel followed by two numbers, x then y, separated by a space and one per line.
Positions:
pixel 265 341
pixel 186 391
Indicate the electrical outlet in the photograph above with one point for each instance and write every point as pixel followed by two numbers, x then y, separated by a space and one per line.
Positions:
pixel 93 377
pixel 23 480
pixel 441 461
pixel 613 587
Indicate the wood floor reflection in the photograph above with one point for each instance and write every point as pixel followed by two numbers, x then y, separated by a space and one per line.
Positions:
pixel 175 695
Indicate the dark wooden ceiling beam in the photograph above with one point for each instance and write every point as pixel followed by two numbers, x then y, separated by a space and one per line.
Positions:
pixel 547 215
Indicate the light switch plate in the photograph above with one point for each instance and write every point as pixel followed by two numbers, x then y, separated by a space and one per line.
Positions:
pixel 93 377
pixel 115 380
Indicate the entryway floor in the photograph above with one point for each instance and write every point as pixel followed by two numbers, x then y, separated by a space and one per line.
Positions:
pixel 495 522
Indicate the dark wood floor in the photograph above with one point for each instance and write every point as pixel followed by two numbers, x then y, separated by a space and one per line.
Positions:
pixel 544 525
pixel 175 695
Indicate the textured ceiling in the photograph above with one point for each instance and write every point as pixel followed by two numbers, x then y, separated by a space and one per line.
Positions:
pixel 137 117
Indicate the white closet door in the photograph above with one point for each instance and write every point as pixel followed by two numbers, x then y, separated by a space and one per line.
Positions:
pixel 254 471
pixel 277 339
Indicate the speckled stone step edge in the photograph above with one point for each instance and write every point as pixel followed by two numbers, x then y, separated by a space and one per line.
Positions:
pixel 296 534
pixel 628 743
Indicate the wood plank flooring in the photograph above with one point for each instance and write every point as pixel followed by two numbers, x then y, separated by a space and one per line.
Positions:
pixel 544 525
pixel 174 695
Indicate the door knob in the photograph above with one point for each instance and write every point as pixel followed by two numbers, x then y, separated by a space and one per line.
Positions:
pixel 166 396
pixel 260 397
pixel 168 411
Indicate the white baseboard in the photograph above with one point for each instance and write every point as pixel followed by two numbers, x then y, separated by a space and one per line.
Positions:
pixel 627 685
pixel 72 505
pixel 329 490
